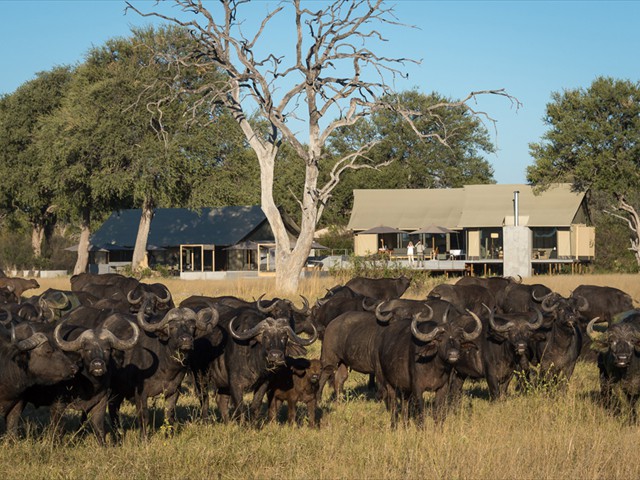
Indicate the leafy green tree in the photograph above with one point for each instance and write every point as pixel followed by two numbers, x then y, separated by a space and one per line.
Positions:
pixel 417 161
pixel 109 152
pixel 593 142
pixel 26 187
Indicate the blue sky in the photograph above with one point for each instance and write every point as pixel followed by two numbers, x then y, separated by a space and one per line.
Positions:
pixel 530 48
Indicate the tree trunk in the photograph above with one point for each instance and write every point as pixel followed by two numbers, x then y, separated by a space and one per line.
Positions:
pixel 37 235
pixel 82 262
pixel 631 217
pixel 139 259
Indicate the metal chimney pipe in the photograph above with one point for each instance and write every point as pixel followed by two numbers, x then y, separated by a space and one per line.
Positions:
pixel 516 208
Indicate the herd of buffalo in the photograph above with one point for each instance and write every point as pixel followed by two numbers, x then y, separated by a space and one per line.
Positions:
pixel 111 338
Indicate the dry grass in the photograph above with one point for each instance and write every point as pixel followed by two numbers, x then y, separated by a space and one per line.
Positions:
pixel 535 436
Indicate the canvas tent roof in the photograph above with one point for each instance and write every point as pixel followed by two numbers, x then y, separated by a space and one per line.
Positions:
pixel 405 209
pixel 180 226
pixel 467 207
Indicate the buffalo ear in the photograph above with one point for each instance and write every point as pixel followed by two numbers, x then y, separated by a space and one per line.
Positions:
pixel 298 372
pixel 539 337
pixel 599 346
pixel 163 334
pixel 295 350
pixel 497 337
pixel 427 350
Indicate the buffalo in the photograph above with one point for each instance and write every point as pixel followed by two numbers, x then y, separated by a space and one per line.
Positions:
pixel 297 381
pixel 602 302
pixel 28 358
pixel 619 362
pixel 379 288
pixel 159 364
pixel 411 361
pixel 17 286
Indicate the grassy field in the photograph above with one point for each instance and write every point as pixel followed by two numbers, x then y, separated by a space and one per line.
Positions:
pixel 539 435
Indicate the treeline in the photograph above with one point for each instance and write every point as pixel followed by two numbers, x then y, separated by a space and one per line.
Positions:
pixel 112 132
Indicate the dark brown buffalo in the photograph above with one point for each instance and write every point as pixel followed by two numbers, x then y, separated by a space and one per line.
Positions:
pixel 517 297
pixel 296 382
pixel 84 281
pixel 18 285
pixel 379 288
pixel 602 302
pixel 207 362
pixel 350 339
pixel 418 354
pixel 91 337
pixel 28 358
pixel 465 297
pixel 52 304
pixel 494 284
pixel 155 296
pixel 159 363
pixel 619 362
pixel 330 308
pixel 559 341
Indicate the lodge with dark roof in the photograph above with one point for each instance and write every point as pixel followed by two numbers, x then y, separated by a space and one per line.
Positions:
pixel 184 240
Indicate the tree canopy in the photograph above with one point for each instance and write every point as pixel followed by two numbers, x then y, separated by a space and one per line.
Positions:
pixel 593 142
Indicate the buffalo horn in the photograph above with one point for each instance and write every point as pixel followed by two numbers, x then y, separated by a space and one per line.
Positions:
pixel 207 318
pixel 427 317
pixel 247 334
pixel 32 342
pixel 385 318
pixel 305 306
pixel 7 321
pixel 172 314
pixel 476 331
pixel 538 321
pixel 499 328
pixel 446 314
pixel 593 335
pixel 166 299
pixel 73 345
pixel 305 342
pixel 369 307
pixel 582 304
pixel 264 309
pixel 118 343
pixel 424 337
pixel 549 302
pixel 132 300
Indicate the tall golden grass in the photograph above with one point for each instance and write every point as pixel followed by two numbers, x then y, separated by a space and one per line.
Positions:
pixel 540 435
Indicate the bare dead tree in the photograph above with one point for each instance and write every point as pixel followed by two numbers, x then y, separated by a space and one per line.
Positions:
pixel 332 72
pixel 629 215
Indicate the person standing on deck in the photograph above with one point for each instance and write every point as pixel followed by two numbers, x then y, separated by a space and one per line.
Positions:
pixel 410 252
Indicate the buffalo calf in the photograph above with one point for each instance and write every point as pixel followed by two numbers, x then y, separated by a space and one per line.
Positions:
pixel 296 382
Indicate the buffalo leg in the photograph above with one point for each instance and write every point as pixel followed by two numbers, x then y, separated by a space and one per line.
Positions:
pixel 12 418
pixel 170 408
pixel 201 387
pixel 272 412
pixel 256 402
pixel 291 411
pixel 222 400
pixel 96 419
pixel 311 411
pixel 143 414
pixel 325 375
pixel 114 415
pixel 340 377
pixel 440 404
